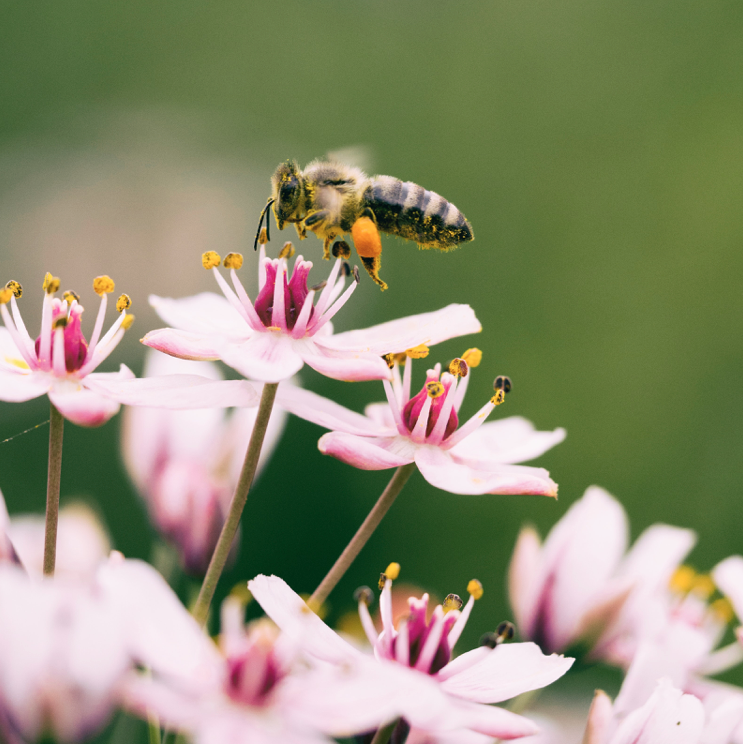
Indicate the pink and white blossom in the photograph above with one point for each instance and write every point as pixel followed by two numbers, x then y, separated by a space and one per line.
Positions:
pixel 474 458
pixel 429 690
pixel 185 464
pixel 580 586
pixel 273 337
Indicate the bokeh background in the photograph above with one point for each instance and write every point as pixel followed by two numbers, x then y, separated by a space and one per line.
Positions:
pixel 595 147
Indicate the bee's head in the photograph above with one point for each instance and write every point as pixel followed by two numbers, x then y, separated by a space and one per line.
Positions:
pixel 288 190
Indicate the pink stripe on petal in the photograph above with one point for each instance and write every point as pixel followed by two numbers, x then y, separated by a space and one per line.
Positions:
pixel 81 406
pixel 366 453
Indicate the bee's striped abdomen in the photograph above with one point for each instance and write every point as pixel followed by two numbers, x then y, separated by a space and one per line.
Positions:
pixel 406 209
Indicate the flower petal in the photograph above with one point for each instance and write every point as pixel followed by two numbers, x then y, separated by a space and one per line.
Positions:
pixel 183 344
pixel 405 333
pixel 599 719
pixel 327 413
pixel 267 357
pixel 203 314
pixel 367 453
pixel 505 672
pixel 440 469
pixel 17 387
pixel 524 580
pixel 82 406
pixel 346 366
pixel 728 576
pixel 506 441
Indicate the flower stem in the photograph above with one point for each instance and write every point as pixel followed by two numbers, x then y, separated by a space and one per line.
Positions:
pixel 54 476
pixel 385 732
pixel 348 556
pixel 222 549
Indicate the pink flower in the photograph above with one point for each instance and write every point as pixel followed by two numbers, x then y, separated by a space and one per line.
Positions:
pixel 473 458
pixel 413 663
pixel 185 464
pixel 580 586
pixel 256 689
pixel 274 337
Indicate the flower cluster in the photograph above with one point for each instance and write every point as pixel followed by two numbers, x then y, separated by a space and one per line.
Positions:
pixel 85 631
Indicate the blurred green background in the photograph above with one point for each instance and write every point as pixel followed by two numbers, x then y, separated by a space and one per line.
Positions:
pixel 595 147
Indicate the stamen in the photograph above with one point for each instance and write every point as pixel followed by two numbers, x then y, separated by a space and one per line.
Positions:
pixel 364 597
pixel 703 586
pixel 722 609
pixel 71 296
pixel 262 267
pixel 431 645
pixel 501 385
pixel 5 295
pixel 435 389
pixel 418 435
pixel 389 358
pixel 210 259
pixel 300 327
pixel 16 288
pixel 24 341
pixel 682 579
pixel 402 644
pixel 317 287
pixel 126 324
pixel 51 284
pixel 393 571
pixel 418 352
pixel 504 632
pixel 263 236
pixel 341 249
pixel 439 430
pixel 469 426
pixel 334 308
pixel 233 261
pixel 47 312
pixel 452 602
pixel 123 303
pixel 103 285
pixel 458 368
pixel 58 360
pixel 324 300
pixel 385 610
pixel 97 328
pixel 287 250
pixel 474 588
pixel 473 357
pixel 278 317
pixel 407 377
pixel 394 407
pixel 230 295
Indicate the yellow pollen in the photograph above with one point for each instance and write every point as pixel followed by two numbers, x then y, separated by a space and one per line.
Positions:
pixel 5 295
pixel 473 357
pixel 71 296
pixel 241 592
pixel 263 237
pixel 103 285
pixel 210 259
pixel 458 368
pixel 123 303
pixel 434 389
pixel 498 398
pixel 418 352
pixel 722 609
pixel 287 250
pixel 451 602
pixel 475 589
pixel 682 579
pixel 126 324
pixel 51 283
pixel 16 362
pixel 390 359
pixel 392 571
pixel 16 288
pixel 233 261
pixel 703 586
pixel 60 322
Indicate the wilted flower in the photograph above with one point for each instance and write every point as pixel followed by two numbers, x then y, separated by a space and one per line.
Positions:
pixel 581 587
pixel 272 338
pixel 185 464
pixel 473 458
pixel 429 690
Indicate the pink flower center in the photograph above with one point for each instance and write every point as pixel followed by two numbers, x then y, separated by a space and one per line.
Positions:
pixel 252 676
pixel 295 292
pixel 413 407
pixel 75 345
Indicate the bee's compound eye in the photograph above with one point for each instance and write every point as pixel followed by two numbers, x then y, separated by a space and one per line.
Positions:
pixel 502 383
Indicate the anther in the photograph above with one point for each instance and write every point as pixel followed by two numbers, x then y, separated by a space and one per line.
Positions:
pixel 233 261
pixel 475 589
pixel 60 322
pixel 287 250
pixel 51 283
pixel 452 602
pixel 434 389
pixel 505 631
pixel 392 571
pixel 722 609
pixel 71 296
pixel 390 359
pixel 341 249
pixel 703 586
pixel 123 303
pixel 682 579
pixel 319 286
pixel 364 594
pixel 473 357
pixel 210 259
pixel 263 236
pixel 382 581
pixel 126 324
pixel 418 352
pixel 356 277
pixel 489 639
pixel 458 367
pixel 5 295
pixel 103 285
pixel 16 288
pixel 501 385
pixel 345 269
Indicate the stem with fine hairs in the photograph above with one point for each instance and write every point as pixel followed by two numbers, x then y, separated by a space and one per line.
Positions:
pixel 348 556
pixel 54 477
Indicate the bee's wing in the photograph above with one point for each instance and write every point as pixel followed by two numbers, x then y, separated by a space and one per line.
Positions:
pixel 359 156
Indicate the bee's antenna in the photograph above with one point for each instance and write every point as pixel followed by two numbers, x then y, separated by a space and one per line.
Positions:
pixel 260 224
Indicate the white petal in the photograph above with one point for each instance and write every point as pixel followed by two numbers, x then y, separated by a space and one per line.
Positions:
pixel 184 344
pixel 17 387
pixel 367 453
pixel 728 576
pixel 267 357
pixel 82 406
pixel 350 367
pixel 204 314
pixel 524 580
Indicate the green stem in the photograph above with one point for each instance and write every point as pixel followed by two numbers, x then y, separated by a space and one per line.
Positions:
pixel 348 556
pixel 383 734
pixel 226 537
pixel 54 476
pixel 153 728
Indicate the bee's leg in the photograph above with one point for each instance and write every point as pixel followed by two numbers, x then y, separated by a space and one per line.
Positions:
pixel 369 247
pixel 301 231
pixel 326 246
pixel 367 212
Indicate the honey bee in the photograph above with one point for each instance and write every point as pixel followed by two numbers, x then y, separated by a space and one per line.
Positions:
pixel 331 199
